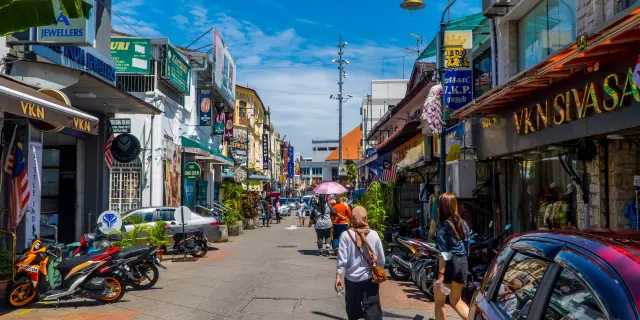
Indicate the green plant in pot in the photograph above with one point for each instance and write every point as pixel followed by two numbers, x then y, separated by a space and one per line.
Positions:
pixel 158 238
pixel 133 237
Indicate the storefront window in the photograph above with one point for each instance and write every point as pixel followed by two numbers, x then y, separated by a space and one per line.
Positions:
pixel 124 186
pixel 624 4
pixel 544 194
pixel 549 27
pixel 482 73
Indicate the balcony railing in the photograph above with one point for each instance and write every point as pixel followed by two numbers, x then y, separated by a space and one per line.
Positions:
pixel 494 8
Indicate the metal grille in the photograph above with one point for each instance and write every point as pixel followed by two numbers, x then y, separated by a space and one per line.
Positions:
pixel 135 82
pixel 124 186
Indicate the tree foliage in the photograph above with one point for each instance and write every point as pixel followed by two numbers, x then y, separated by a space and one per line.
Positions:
pixel 18 15
pixel 378 200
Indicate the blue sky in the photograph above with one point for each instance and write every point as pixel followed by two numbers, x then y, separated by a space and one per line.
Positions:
pixel 283 49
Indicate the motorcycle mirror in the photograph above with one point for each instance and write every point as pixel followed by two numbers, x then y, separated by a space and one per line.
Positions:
pixel 507 227
pixel 490 224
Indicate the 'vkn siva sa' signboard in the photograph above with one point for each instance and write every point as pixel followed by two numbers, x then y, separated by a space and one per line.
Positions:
pixel 578 103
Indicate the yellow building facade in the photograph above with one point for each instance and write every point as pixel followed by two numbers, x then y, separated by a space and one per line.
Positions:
pixel 249 116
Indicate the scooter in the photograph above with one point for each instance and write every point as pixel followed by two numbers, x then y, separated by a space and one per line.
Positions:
pixel 80 277
pixel 194 243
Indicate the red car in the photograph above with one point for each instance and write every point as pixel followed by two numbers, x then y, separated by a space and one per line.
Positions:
pixel 588 274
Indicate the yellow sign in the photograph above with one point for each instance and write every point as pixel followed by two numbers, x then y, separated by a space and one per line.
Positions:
pixel 252 185
pixel 409 152
pixel 32 110
pixel 578 103
pixel 456 45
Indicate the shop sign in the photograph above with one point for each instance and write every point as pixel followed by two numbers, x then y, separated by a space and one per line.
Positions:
pixel 458 78
pixel 459 135
pixel 297 159
pixel 201 190
pixel 224 67
pixel 177 70
pixel 265 151
pixel 120 125
pixel 252 185
pixel 125 148
pixel 86 59
pixel 173 192
pixel 131 55
pixel 191 171
pixel 109 221
pixel 228 127
pixel 578 103
pixel 219 125
pixel 205 108
pixel 290 163
pixel 34 173
pixel 76 31
pixel 409 152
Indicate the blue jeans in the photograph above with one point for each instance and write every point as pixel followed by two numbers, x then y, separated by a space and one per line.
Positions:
pixel 338 229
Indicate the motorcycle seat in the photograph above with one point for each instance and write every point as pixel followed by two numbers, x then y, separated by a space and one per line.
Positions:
pixel 132 252
pixel 67 264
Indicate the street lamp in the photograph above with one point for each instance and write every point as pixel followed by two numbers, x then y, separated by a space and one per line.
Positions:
pixel 415 5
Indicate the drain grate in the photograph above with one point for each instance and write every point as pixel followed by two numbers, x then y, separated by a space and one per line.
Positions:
pixel 287 246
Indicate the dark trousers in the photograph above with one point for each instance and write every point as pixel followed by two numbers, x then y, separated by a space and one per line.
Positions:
pixel 338 229
pixel 363 300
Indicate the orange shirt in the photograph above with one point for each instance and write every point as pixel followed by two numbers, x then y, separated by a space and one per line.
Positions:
pixel 344 213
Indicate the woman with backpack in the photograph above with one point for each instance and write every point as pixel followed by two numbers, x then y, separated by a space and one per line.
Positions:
pixel 321 218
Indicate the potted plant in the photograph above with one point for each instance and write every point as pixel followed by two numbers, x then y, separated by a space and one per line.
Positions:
pixel 251 209
pixel 158 238
pixel 231 219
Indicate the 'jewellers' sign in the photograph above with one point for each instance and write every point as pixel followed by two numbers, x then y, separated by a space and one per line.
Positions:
pixel 579 103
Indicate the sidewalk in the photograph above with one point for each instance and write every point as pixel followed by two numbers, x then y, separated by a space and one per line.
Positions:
pixel 267 273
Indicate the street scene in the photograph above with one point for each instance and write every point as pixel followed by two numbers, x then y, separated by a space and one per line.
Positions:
pixel 337 159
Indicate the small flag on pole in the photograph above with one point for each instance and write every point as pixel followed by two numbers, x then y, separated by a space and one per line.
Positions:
pixel 389 174
pixel 19 193
pixel 108 157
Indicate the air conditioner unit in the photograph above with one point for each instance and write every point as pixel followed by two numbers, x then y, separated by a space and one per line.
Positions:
pixel 461 178
pixel 495 8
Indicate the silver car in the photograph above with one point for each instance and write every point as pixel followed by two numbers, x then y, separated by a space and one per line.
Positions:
pixel 150 216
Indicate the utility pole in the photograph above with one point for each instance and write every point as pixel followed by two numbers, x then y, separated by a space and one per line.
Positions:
pixel 340 98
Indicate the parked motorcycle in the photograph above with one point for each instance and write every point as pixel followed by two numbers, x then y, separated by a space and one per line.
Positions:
pixel 80 277
pixel 194 243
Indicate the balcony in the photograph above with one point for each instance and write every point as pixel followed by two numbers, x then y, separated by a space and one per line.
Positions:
pixel 495 8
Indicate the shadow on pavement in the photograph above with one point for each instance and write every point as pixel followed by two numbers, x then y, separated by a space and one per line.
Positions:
pixel 326 315
pixel 308 252
pixel 386 314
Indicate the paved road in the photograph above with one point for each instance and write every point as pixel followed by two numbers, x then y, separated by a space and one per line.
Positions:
pixel 267 273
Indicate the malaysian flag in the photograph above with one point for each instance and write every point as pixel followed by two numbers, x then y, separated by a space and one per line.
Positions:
pixel 8 161
pixel 19 193
pixel 389 172
pixel 108 157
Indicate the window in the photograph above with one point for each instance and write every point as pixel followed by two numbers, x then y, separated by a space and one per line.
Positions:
pixel 482 73
pixel 304 171
pixel 549 27
pixel 571 299
pixel 124 186
pixel 165 214
pixel 316 171
pixel 519 284
pixel 141 216
pixel 242 106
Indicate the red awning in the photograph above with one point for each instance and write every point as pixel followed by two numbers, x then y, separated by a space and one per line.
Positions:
pixel 605 44
pixel 404 134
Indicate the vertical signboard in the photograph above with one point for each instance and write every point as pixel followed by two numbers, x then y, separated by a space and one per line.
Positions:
pixel 131 55
pixel 177 70
pixel 76 31
pixel 297 164
pixel 458 78
pixel 173 170
pixel 224 70
pixel 265 151
pixel 228 127
pixel 34 172
pixel 239 146
pixel 290 163
pixel 205 108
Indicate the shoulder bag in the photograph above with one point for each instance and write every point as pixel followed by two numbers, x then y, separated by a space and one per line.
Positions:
pixel 378 275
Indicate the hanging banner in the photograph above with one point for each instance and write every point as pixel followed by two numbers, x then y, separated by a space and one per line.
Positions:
pixel 219 125
pixel 410 152
pixel 173 166
pixel 224 76
pixel 228 127
pixel 458 78
pixel 34 172
pixel 177 70
pixel 205 108
pixel 457 137
pixel 290 163
pixel 239 146
pixel 265 151
pixel 297 164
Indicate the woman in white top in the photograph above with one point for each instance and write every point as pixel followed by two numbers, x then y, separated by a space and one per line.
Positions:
pixel 361 294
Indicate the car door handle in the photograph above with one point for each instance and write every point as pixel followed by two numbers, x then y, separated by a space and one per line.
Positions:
pixel 173 223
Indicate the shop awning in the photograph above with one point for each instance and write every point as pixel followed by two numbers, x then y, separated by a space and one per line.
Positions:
pixel 465 23
pixel 203 152
pixel 404 134
pixel 22 100
pixel 606 44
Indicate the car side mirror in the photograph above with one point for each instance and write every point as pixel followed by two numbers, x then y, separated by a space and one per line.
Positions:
pixel 127 223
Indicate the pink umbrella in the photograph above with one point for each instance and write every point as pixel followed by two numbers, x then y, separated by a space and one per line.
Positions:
pixel 330 187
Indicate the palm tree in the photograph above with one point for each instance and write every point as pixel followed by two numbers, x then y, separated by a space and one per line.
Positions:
pixel 352 172
pixel 233 194
pixel 18 15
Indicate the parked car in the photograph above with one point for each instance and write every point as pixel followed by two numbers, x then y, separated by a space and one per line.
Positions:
pixel 151 215
pixel 589 274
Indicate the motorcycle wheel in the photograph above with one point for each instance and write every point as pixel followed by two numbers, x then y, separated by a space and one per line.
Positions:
pixel 117 286
pixel 21 293
pixel 426 283
pixel 145 269
pixel 203 251
pixel 398 272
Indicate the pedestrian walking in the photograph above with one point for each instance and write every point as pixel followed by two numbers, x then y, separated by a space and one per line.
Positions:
pixel 360 250
pixel 277 209
pixel 340 220
pixel 453 244
pixel 302 213
pixel 321 218
pixel 265 212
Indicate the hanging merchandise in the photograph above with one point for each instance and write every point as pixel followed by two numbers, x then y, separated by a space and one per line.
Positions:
pixel 432 112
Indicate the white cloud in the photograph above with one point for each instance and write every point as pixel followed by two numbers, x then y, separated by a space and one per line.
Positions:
pixel 126 18
pixel 180 20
